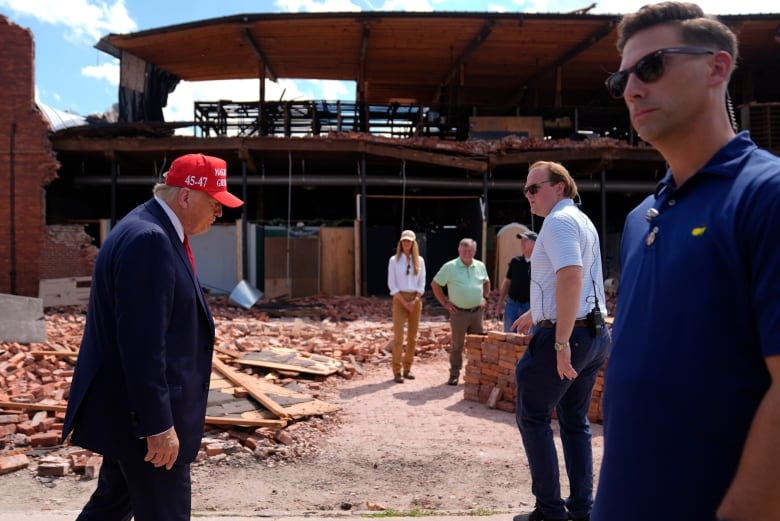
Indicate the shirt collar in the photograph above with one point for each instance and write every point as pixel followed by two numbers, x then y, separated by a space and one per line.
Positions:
pixel 723 163
pixel 172 216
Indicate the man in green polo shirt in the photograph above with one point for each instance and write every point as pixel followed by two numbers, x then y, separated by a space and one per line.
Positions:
pixel 468 285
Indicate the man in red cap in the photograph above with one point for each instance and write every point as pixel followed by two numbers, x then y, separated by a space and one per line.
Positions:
pixel 141 383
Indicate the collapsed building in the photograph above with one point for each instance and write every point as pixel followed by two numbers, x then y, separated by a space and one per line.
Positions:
pixel 449 111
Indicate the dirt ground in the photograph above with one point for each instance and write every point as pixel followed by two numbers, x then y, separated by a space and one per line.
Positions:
pixel 412 446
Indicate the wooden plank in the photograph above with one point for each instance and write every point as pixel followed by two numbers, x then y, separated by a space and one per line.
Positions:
pixel 250 384
pixel 230 352
pixel 225 408
pixel 283 402
pixel 530 125
pixel 245 422
pixel 38 406
pixel 337 272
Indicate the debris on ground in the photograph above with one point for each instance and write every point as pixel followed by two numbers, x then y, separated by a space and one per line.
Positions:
pixel 275 368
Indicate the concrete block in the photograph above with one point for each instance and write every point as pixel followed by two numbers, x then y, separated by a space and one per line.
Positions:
pixel 23 319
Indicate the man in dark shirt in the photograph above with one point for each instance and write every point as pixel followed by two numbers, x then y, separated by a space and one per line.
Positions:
pixel 517 283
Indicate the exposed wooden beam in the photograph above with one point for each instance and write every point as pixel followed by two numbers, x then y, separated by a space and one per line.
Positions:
pixel 243 148
pixel 259 53
pixel 478 40
pixel 592 39
pixel 606 155
pixel 421 156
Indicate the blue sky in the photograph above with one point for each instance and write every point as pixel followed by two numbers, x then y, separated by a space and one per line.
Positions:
pixel 70 74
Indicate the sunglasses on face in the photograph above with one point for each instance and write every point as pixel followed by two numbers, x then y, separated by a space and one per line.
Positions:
pixel 532 189
pixel 648 69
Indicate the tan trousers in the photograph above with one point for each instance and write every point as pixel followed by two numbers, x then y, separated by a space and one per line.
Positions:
pixel 402 316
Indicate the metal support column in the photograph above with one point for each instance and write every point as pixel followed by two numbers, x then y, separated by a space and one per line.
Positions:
pixel 484 209
pixel 244 232
pixel 363 229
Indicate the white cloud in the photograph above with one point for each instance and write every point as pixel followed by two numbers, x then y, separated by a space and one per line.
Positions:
pixel 629 6
pixel 316 6
pixel 406 5
pixel 86 20
pixel 106 71
pixel 334 90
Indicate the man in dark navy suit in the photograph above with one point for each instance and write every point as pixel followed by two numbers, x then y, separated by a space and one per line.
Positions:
pixel 141 383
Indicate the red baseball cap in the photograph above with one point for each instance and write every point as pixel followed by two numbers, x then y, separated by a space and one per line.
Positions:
pixel 204 173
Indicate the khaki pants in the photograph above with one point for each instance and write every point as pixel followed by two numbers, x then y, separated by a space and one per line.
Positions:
pixel 462 323
pixel 402 316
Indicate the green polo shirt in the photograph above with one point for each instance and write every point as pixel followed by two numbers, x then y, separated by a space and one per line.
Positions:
pixel 464 283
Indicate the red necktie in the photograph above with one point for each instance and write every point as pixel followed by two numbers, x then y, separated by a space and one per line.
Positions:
pixel 189 254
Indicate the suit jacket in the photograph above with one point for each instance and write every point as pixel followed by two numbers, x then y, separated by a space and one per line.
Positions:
pixel 145 359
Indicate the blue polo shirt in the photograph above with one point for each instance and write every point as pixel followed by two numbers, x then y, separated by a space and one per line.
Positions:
pixel 697 312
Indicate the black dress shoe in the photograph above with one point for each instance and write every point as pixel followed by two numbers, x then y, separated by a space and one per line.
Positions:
pixel 453 380
pixel 535 515
pixel 408 375
pixel 398 378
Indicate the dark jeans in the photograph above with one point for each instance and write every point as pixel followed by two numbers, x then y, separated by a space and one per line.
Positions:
pixel 512 311
pixel 539 391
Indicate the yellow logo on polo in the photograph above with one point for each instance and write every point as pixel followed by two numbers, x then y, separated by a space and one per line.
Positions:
pixel 696 232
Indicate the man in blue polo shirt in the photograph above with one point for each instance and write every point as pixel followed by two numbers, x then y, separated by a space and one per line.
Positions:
pixel 468 286
pixel 692 390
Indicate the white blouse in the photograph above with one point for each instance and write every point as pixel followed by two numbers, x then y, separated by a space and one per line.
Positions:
pixel 399 278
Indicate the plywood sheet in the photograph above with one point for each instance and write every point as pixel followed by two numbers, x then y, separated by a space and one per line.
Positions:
pixel 337 270
pixel 64 292
pixel 291 360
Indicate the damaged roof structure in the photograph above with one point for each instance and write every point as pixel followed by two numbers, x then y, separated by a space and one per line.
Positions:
pixel 449 110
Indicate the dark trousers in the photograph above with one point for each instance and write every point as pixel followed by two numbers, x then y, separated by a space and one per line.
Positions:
pixel 539 391
pixel 126 489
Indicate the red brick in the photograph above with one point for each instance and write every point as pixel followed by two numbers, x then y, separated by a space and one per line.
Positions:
pixel 45 439
pixel 92 468
pixel 13 463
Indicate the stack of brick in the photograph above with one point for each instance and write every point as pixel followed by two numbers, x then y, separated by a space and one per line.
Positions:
pixel 490 368
pixel 490 372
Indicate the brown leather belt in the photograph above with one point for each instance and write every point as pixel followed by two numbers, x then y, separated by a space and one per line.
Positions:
pixel 468 310
pixel 549 324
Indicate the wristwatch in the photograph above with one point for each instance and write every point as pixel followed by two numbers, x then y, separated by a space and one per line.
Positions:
pixel 561 347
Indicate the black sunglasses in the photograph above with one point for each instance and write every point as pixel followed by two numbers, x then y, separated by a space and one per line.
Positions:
pixel 648 69
pixel 408 268
pixel 532 189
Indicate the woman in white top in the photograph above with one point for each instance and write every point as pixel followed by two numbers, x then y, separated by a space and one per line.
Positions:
pixel 406 280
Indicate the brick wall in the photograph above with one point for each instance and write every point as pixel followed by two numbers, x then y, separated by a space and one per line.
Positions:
pixel 26 156
pixel 490 372
pixel 67 251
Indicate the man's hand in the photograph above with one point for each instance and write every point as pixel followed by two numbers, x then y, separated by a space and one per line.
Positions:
pixel 523 323
pixel 163 449
pixel 565 369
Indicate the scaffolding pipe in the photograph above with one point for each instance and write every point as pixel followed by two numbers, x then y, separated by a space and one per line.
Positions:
pixel 476 184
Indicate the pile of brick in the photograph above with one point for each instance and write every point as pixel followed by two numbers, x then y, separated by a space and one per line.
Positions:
pixel 490 372
pixel 35 378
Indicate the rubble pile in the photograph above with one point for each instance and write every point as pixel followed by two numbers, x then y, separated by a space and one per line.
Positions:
pixel 355 331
